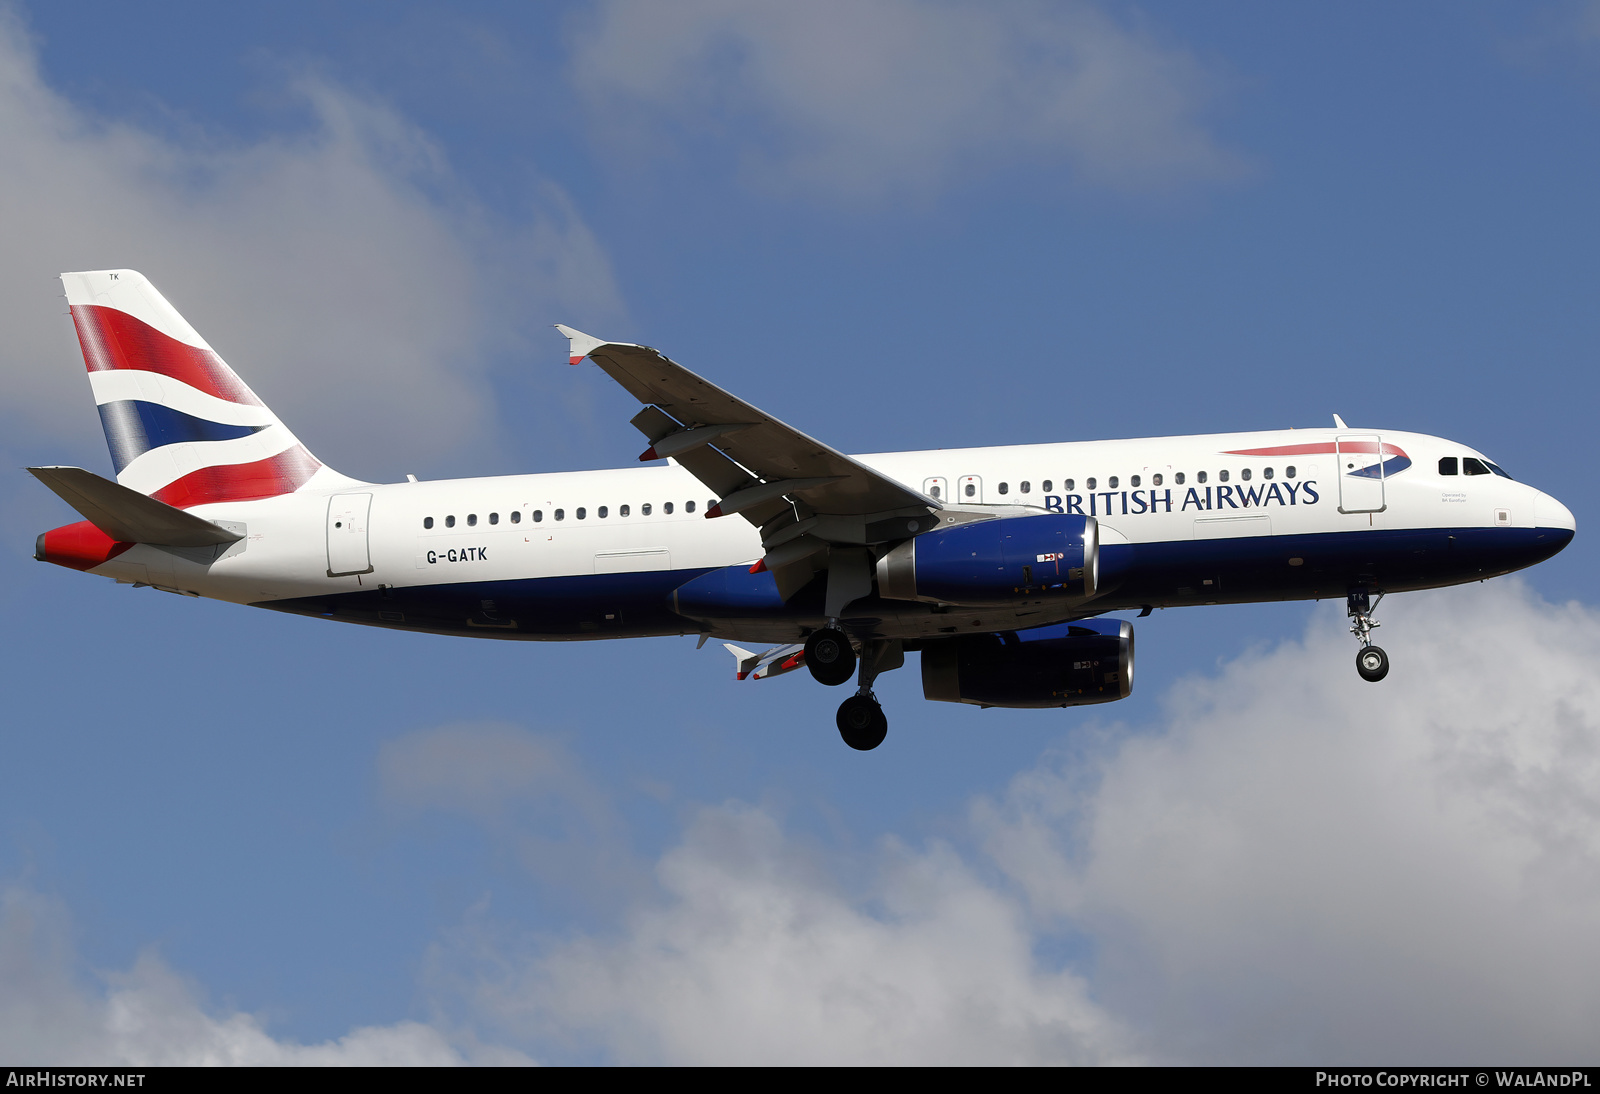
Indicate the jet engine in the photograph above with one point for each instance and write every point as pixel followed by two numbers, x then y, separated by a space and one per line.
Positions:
pixel 1067 665
pixel 996 561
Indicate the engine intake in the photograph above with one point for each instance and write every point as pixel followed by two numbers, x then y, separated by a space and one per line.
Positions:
pixel 1067 665
pixel 996 561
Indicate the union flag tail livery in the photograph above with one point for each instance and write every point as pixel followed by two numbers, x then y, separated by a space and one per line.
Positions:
pixel 181 426
pixel 998 566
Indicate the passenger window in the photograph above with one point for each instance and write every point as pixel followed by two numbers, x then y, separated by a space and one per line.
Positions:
pixel 623 510
pixel 1288 472
pixel 1025 487
pixel 450 521
pixel 1473 466
pixel 1178 478
pixel 1111 483
pixel 1222 476
pixel 1003 488
pixel 582 512
pixel 644 509
pixel 538 515
pixel 1045 486
pixel 1447 465
pixel 688 507
pixel 667 507
pixel 1089 484
pixel 516 516
pixel 1199 476
pixel 1245 474
pixel 427 522
pixel 971 489
pixel 1155 480
pixel 494 518
pixel 561 514
pixel 1068 485
pixel 472 520
pixel 1134 482
pixel 601 513
pixel 1267 474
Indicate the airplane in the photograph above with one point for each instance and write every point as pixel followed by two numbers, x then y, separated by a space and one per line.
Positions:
pixel 1000 566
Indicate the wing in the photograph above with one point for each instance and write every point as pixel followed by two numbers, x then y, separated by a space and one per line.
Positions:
pixel 805 497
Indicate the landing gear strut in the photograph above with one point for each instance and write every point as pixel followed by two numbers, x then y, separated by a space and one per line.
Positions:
pixel 861 721
pixel 1372 663
pixel 829 656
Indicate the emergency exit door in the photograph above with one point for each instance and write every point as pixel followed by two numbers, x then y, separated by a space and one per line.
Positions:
pixel 347 535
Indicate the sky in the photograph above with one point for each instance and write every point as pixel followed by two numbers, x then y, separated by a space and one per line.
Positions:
pixel 229 836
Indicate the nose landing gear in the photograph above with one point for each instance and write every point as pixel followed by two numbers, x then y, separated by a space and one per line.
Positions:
pixel 1372 663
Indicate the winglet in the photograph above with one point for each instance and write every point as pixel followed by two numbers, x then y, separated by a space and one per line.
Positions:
pixel 746 660
pixel 1337 421
pixel 581 344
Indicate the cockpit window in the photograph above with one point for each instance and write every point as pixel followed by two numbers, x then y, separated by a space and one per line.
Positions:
pixel 1447 465
pixel 1498 470
pixel 1473 466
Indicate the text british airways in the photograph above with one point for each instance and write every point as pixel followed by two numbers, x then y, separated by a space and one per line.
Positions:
pixel 1107 503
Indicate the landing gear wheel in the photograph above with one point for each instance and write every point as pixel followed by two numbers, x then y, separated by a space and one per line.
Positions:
pixel 861 723
pixel 1372 663
pixel 829 656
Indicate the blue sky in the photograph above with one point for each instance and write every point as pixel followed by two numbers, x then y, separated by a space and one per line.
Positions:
pixel 229 835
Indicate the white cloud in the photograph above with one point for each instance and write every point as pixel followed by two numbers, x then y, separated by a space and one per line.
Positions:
pixel 150 1016
pixel 757 956
pixel 896 96
pixel 1294 866
pixel 342 270
pixel 1302 866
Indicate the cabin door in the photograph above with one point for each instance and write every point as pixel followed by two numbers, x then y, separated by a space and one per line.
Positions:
pixel 347 535
pixel 1360 467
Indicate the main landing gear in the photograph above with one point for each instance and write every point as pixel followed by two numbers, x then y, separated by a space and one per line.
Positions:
pixel 832 660
pixel 861 721
pixel 1372 663
pixel 829 656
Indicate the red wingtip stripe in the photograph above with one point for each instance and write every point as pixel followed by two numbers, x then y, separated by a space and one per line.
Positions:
pixel 79 546
pixel 113 339
pixel 575 360
pixel 761 564
pixel 648 454
pixel 281 474
pixel 714 512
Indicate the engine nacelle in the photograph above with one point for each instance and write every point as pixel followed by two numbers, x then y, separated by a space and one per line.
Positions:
pixel 1067 665
pixel 996 561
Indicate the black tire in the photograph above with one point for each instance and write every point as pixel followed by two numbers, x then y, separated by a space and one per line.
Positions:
pixel 829 656
pixel 1372 663
pixel 861 723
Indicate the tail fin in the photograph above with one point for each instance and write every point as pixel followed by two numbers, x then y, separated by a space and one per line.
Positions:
pixel 182 427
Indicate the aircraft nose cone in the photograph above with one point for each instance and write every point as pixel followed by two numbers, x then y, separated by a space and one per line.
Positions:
pixel 1550 513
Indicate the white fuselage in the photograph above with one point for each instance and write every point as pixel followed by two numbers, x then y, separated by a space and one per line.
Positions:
pixel 582 523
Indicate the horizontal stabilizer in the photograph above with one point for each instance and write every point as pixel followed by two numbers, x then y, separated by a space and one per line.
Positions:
pixel 127 515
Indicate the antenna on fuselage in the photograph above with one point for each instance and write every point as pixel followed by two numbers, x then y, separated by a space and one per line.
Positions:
pixel 1339 422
